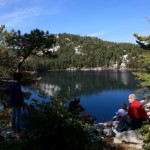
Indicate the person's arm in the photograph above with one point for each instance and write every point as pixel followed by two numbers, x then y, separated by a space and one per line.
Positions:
pixel 82 109
pixel 118 113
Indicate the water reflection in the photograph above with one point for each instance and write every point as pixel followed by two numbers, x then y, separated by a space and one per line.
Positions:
pixel 49 89
pixel 101 92
pixel 85 82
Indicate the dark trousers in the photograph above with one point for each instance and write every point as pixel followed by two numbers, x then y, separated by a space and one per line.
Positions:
pixel 127 123
pixel 124 124
pixel 136 123
pixel 16 118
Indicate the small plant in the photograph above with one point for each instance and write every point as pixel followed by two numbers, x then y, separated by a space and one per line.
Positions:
pixel 145 131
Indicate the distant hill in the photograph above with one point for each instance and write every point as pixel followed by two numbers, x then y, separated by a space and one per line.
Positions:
pixel 85 52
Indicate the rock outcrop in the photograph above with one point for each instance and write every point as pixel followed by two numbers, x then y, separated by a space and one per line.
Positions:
pixel 132 137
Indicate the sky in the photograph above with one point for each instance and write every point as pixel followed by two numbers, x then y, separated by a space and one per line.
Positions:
pixel 109 20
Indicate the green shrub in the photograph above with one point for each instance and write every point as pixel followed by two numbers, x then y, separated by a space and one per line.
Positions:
pixel 145 131
pixel 52 127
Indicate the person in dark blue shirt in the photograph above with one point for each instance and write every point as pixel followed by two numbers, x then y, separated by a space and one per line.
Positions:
pixel 15 95
pixel 75 106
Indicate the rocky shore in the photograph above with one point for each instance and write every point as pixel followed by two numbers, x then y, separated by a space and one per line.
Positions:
pixel 131 138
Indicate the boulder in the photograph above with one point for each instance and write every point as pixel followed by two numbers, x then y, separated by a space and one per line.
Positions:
pixel 132 136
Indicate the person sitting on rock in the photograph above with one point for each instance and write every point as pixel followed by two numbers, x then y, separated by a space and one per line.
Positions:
pixel 76 108
pixel 136 115
pixel 122 112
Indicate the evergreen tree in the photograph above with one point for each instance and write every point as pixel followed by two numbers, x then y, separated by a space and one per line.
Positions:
pixel 36 42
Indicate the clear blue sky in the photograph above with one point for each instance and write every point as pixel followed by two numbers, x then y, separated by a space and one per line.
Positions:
pixel 110 20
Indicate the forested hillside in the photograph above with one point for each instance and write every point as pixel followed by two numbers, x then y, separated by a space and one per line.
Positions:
pixel 82 51
pixel 39 50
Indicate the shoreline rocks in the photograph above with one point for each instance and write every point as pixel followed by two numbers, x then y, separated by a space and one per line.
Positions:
pixel 132 137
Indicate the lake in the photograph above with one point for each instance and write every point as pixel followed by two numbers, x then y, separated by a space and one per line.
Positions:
pixel 101 92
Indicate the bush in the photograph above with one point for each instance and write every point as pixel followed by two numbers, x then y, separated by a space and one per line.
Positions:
pixel 52 127
pixel 145 131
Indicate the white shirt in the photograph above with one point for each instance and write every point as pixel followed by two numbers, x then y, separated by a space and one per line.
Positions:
pixel 121 112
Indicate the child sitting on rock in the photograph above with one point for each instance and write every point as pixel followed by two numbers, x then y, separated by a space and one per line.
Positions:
pixel 122 112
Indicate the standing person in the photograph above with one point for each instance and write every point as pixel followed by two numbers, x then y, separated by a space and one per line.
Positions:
pixel 122 112
pixel 16 95
pixel 136 115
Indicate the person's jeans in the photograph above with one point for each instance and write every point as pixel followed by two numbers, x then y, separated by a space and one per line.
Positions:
pixel 122 126
pixel 16 118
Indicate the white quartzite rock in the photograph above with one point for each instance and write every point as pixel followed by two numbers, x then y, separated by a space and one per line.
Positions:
pixel 132 136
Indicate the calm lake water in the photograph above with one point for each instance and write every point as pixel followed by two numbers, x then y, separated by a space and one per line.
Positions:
pixel 101 92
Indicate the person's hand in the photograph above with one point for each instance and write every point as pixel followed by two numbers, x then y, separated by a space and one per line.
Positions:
pixel 114 117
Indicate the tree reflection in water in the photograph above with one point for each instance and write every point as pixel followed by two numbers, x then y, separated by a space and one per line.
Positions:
pixel 101 92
